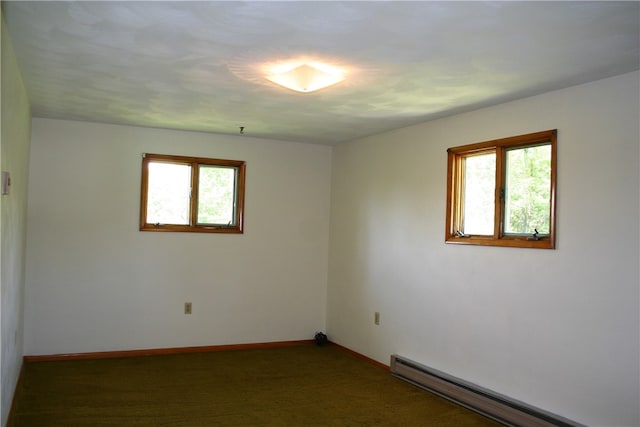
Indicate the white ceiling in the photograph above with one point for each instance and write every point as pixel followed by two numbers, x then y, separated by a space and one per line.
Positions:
pixel 192 65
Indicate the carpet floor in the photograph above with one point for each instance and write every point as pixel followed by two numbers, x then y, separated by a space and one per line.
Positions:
pixel 290 386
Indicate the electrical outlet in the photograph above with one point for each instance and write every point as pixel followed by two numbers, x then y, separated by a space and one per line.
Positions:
pixel 6 182
pixel 376 318
pixel 187 308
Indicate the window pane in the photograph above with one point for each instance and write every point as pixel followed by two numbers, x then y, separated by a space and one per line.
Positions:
pixel 169 185
pixel 528 190
pixel 479 194
pixel 216 195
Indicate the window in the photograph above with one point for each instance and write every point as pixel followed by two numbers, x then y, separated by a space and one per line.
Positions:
pixel 191 194
pixel 502 192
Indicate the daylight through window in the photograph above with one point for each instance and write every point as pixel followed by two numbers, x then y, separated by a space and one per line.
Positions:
pixel 502 192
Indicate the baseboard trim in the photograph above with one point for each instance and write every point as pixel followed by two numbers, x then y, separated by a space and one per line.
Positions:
pixel 162 351
pixel 13 399
pixel 196 349
pixel 360 356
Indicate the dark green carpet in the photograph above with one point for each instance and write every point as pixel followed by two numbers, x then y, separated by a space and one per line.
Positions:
pixel 290 386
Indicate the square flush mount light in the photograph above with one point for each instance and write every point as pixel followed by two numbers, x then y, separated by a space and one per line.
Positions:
pixel 305 76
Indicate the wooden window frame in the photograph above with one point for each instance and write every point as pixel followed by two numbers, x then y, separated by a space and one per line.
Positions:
pixel 455 182
pixel 193 226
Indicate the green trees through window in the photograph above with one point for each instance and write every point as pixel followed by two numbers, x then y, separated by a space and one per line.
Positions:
pixel 216 195
pixel 528 190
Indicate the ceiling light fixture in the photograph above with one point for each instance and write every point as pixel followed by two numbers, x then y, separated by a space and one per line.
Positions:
pixel 304 73
pixel 304 76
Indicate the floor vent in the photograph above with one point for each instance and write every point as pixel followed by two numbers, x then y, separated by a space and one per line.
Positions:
pixel 489 403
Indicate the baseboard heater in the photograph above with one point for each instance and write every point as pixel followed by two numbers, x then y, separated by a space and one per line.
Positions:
pixel 503 409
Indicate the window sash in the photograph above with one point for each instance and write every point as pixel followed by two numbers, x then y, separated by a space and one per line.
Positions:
pixel 475 219
pixel 231 204
pixel 532 207
pixel 172 191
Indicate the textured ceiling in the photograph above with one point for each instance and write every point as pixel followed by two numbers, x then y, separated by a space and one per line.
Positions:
pixel 193 65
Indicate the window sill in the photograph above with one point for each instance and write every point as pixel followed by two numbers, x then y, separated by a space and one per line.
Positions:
pixel 189 229
pixel 509 242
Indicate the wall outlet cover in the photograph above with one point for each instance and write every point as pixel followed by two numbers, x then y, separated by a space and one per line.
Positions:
pixel 6 182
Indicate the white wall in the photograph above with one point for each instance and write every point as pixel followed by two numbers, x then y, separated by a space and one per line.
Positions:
pixel 14 151
pixel 558 329
pixel 96 283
